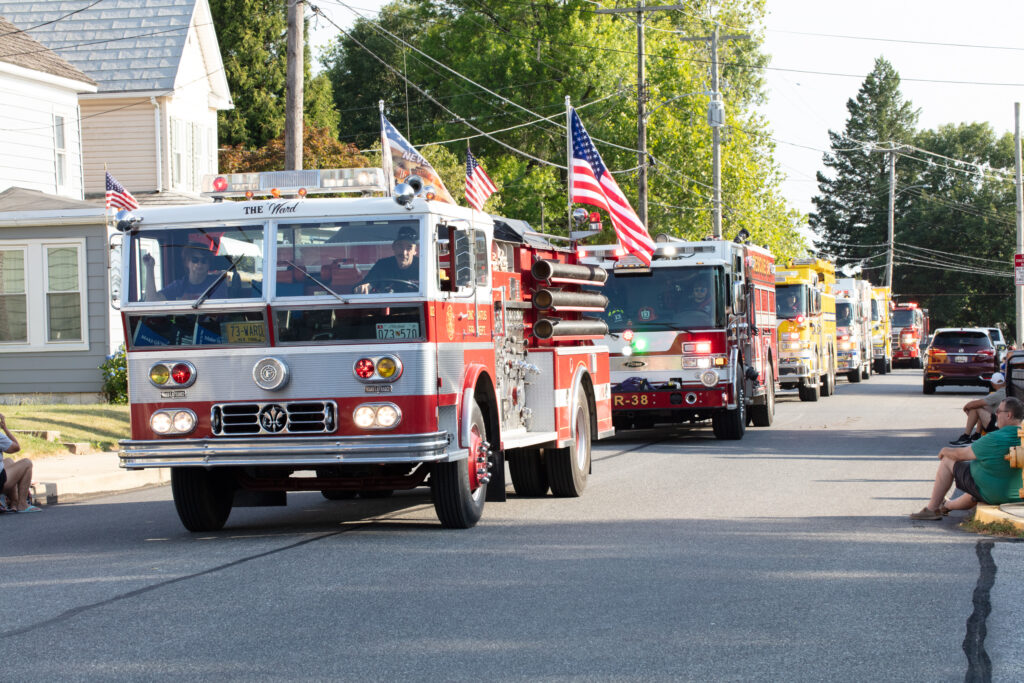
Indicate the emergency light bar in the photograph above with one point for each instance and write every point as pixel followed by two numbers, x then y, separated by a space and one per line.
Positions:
pixel 315 181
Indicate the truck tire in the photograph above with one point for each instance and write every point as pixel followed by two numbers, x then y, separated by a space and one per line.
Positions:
pixel 457 506
pixel 828 381
pixel 764 414
pixel 202 497
pixel 731 424
pixel 853 376
pixel 810 393
pixel 568 468
pixel 866 372
pixel 529 473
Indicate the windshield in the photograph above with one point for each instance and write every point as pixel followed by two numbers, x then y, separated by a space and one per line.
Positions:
pixel 874 310
pixel 181 264
pixel 665 298
pixel 348 258
pixel 961 340
pixel 790 301
pixel 844 313
pixel 903 318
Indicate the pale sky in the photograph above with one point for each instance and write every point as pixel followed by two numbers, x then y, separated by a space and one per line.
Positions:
pixel 802 107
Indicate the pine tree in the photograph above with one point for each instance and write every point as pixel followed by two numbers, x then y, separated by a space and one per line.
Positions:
pixel 851 217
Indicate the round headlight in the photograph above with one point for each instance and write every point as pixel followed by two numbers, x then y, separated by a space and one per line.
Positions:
pixel 388 415
pixel 364 416
pixel 364 368
pixel 181 373
pixel 709 378
pixel 159 374
pixel 387 367
pixel 160 422
pixel 184 421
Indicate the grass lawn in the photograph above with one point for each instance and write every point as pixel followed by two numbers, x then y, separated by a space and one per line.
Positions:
pixel 101 425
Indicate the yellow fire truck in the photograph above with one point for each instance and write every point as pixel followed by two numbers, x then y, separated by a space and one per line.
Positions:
pixel 881 328
pixel 805 307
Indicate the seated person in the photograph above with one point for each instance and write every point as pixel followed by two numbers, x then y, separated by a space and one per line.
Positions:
pixel 979 469
pixel 199 278
pixel 981 412
pixel 404 266
pixel 701 299
pixel 792 305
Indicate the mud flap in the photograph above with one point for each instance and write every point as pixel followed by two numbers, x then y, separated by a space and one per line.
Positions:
pixel 496 486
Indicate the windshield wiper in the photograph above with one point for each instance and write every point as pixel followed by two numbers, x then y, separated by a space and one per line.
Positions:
pixel 220 278
pixel 317 281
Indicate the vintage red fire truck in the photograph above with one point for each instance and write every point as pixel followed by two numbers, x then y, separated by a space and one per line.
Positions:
pixel 692 336
pixel 909 327
pixel 354 346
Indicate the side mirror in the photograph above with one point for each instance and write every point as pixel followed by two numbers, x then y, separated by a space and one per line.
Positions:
pixel 114 246
pixel 737 297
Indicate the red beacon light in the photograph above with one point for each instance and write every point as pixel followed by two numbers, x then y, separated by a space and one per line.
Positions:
pixel 302 192
pixel 703 347
pixel 275 193
pixel 799 320
pixel 628 335
pixel 181 373
pixel 364 368
pixel 249 194
pixel 220 184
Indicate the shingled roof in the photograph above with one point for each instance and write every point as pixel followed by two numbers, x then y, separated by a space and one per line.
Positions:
pixel 20 49
pixel 126 45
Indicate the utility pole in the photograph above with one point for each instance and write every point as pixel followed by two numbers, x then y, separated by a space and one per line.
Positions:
pixel 641 96
pixel 892 218
pixel 716 119
pixel 1019 192
pixel 293 88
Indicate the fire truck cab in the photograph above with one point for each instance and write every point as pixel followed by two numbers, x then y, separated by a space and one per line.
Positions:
pixel 691 335
pixel 806 310
pixel 353 346
pixel 881 328
pixel 909 328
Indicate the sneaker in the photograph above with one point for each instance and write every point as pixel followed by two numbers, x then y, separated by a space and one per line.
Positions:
pixel 926 514
pixel 962 440
pixel 975 436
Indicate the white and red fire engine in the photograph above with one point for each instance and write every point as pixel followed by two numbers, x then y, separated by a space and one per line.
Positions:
pixel 692 335
pixel 354 346
pixel 909 327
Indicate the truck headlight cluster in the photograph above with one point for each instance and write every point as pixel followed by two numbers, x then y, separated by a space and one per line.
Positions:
pixel 380 369
pixel 165 422
pixel 178 374
pixel 377 416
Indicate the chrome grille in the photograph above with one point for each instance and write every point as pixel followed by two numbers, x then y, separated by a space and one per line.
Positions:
pixel 273 419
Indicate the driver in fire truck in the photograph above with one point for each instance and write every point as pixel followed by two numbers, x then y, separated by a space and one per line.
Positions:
pixel 197 278
pixel 403 267
pixel 792 305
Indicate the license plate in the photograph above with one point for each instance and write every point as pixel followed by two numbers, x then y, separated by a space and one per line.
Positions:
pixel 960 359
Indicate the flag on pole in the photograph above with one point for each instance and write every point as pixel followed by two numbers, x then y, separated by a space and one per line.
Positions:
pixel 117 196
pixel 593 184
pixel 478 184
pixel 404 161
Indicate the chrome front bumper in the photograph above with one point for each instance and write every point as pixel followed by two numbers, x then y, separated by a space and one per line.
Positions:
pixel 295 451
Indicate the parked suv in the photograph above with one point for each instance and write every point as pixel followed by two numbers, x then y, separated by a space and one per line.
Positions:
pixel 960 355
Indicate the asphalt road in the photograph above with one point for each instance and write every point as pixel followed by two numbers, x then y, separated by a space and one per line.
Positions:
pixel 785 556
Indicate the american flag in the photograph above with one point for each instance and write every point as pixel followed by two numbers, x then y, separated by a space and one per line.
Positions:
pixel 117 196
pixel 593 184
pixel 478 185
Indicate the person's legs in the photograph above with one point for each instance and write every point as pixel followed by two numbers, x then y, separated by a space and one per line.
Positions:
pixel 974 420
pixel 19 478
pixel 943 480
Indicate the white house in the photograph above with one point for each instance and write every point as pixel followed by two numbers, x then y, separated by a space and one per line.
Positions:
pixel 152 122
pixel 40 127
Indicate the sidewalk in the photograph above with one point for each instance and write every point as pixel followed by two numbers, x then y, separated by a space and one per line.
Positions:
pixel 1010 512
pixel 71 477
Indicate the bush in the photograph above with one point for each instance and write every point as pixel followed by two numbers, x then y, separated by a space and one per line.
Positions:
pixel 115 377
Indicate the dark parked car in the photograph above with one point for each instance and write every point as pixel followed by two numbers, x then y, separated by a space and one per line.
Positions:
pixel 960 355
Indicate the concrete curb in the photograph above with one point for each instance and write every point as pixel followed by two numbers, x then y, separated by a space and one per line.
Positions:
pixel 989 514
pixel 66 479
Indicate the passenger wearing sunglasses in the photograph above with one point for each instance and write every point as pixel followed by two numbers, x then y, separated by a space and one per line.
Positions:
pixel 189 287
pixel 979 469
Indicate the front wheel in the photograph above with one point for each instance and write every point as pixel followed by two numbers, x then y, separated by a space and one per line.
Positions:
pixel 202 497
pixel 731 424
pixel 458 497
pixel 569 468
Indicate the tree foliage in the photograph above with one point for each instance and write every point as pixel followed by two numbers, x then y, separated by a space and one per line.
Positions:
pixel 536 54
pixel 320 149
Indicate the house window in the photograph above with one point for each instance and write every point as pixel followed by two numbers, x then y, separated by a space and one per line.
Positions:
pixel 13 298
pixel 61 150
pixel 43 299
pixel 63 295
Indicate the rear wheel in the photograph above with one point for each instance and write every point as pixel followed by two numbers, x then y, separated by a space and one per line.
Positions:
pixel 929 387
pixel 810 393
pixel 763 415
pixel 853 376
pixel 866 372
pixel 569 468
pixel 828 382
pixel 529 473
pixel 731 424
pixel 457 503
pixel 202 497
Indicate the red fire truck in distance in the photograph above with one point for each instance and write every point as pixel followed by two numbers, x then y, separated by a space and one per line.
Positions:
pixel 355 346
pixel 909 327
pixel 692 336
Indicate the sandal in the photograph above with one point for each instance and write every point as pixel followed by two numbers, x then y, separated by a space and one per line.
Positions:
pixel 927 514
pixel 30 508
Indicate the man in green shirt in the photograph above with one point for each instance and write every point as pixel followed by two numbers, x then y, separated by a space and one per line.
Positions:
pixel 980 469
